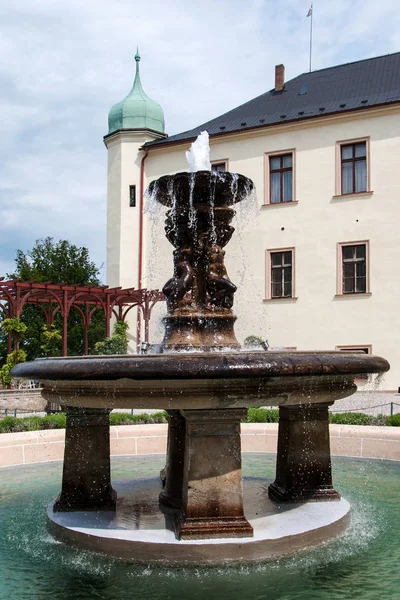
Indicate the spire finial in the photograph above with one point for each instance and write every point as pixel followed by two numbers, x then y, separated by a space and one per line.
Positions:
pixel 137 55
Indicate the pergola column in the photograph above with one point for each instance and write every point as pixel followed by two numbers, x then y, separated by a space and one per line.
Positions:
pixel 303 467
pixel 86 483
pixel 212 498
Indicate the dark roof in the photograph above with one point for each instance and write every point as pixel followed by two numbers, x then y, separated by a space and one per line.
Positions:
pixel 352 86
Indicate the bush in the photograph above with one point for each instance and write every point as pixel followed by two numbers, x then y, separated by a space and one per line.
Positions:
pixel 380 420
pixel 117 343
pixel 262 415
pixel 349 418
pixel 394 420
pixel 54 421
pixel 254 415
pixel 142 419
pixel 58 421
pixel 11 424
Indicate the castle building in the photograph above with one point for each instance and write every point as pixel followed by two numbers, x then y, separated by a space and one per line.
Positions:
pixel 319 256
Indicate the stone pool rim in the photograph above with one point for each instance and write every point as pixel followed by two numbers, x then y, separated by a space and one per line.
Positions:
pixel 355 441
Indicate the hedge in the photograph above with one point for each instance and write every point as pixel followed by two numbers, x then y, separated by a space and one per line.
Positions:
pixel 254 415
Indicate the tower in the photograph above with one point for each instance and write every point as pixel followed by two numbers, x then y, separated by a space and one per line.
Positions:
pixel 132 122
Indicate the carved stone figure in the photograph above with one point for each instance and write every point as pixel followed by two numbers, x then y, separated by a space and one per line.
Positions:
pixel 182 281
pixel 219 286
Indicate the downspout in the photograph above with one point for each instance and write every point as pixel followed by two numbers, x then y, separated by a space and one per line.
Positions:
pixel 140 266
pixel 140 270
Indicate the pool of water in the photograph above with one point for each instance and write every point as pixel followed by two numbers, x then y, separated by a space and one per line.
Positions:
pixel 362 563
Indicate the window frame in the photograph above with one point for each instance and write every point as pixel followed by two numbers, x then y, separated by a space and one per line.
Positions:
pixel 224 161
pixel 267 176
pixel 268 277
pixel 364 377
pixel 339 284
pixel 338 178
pixel 132 187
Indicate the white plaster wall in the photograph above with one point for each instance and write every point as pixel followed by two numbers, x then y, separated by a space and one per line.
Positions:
pixel 124 163
pixel 317 319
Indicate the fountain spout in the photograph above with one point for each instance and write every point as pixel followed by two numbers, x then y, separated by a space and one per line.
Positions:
pixel 198 156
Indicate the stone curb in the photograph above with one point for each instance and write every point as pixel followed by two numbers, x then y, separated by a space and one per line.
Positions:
pixel 360 441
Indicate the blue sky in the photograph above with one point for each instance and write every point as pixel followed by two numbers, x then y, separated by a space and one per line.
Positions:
pixel 64 64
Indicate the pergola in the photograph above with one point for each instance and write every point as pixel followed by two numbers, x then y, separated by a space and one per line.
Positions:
pixel 54 298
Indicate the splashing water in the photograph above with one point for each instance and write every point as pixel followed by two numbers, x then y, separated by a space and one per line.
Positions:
pixel 198 156
pixel 361 563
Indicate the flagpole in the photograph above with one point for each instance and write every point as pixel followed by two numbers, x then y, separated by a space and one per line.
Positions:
pixel 311 15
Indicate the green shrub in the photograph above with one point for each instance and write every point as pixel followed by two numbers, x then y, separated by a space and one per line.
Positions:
pixel 349 418
pixel 58 421
pixel 394 420
pixel 380 420
pixel 117 343
pixel 254 415
pixel 253 340
pixel 142 419
pixel 11 424
pixel 54 421
pixel 262 415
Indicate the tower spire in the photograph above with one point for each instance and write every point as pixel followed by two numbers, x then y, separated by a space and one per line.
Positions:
pixel 137 110
pixel 137 84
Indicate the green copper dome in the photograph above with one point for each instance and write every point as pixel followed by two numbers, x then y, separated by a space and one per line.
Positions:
pixel 137 110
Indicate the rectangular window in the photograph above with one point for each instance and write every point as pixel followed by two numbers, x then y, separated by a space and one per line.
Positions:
pixel 280 273
pixel 367 349
pixel 281 178
pixel 353 261
pixel 354 269
pixel 352 167
pixel 132 195
pixel 219 166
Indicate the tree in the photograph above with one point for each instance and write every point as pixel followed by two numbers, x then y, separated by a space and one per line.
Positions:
pixel 117 343
pixel 57 262
pixel 12 359
pixel 16 329
pixel 52 345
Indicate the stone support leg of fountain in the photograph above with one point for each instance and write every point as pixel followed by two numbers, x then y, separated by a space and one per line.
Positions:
pixel 212 490
pixel 303 468
pixel 172 474
pixel 86 483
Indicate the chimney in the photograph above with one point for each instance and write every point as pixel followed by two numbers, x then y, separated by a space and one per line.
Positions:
pixel 279 78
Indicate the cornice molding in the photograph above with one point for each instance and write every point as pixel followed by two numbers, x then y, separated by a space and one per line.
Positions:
pixel 306 123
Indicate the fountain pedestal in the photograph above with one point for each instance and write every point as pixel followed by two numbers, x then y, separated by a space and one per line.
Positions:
pixel 303 467
pixel 212 490
pixel 86 483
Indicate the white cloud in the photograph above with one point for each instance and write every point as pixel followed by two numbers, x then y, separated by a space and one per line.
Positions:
pixel 66 63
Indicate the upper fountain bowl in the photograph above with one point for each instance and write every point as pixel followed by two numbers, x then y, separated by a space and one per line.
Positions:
pixel 207 188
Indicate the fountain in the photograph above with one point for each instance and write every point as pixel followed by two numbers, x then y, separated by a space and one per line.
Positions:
pixel 206 385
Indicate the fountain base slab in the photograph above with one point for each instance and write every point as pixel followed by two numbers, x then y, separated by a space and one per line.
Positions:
pixel 228 527
pixel 142 531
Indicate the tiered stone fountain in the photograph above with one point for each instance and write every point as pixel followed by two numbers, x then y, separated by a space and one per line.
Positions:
pixel 206 393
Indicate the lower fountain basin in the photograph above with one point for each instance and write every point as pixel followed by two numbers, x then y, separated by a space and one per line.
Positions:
pixel 361 562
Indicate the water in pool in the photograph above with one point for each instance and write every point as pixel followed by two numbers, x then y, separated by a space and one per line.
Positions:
pixel 362 563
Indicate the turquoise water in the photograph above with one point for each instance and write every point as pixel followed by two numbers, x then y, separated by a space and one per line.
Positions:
pixel 363 563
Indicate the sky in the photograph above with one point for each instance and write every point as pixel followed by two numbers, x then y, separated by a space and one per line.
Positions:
pixel 64 64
